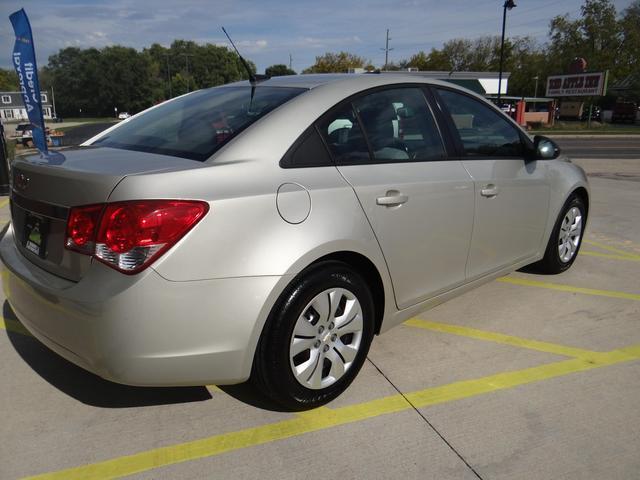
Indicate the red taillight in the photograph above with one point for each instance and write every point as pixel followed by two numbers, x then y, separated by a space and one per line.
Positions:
pixel 130 235
pixel 81 228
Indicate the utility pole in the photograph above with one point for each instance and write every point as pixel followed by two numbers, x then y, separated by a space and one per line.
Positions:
pixel 168 74
pixel 290 61
pixel 186 57
pixel 535 92
pixel 386 50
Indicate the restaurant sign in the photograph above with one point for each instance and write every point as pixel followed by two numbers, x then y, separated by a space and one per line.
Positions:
pixel 577 85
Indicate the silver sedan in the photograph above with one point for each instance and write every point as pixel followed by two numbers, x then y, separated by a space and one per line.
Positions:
pixel 268 231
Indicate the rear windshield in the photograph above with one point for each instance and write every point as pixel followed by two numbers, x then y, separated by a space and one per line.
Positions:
pixel 198 124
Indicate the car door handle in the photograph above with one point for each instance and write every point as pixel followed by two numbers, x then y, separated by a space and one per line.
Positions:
pixel 489 191
pixel 393 198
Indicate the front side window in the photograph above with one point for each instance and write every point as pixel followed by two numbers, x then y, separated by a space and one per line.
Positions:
pixel 399 126
pixel 342 133
pixel 197 125
pixel 483 132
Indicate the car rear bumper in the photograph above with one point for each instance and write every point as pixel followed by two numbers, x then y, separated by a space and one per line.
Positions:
pixel 142 329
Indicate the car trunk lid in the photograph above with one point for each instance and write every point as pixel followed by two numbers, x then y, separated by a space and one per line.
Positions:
pixel 43 192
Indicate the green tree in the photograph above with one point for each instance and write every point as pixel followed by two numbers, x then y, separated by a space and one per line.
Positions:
pixel 8 80
pixel 208 65
pixel 76 75
pixel 337 63
pixel 595 36
pixel 460 54
pixel 125 81
pixel 95 81
pixel 278 70
pixel 629 52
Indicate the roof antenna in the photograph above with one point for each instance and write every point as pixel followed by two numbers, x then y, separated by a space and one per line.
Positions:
pixel 253 78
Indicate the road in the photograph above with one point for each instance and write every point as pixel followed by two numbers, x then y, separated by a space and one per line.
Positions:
pixel 603 146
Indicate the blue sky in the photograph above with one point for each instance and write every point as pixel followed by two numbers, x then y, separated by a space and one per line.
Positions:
pixel 268 31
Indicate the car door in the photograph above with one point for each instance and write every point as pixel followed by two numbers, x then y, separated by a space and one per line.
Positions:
pixel 387 145
pixel 511 192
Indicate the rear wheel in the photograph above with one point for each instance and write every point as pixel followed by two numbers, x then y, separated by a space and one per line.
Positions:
pixel 316 338
pixel 566 238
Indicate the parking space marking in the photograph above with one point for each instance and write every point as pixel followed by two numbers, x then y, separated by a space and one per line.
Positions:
pixel 520 342
pixel 4 202
pixel 14 326
pixel 612 249
pixel 324 418
pixel 612 256
pixel 569 288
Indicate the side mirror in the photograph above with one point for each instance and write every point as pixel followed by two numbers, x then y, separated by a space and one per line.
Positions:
pixel 545 148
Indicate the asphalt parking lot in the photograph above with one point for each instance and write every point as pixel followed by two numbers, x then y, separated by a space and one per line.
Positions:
pixel 526 377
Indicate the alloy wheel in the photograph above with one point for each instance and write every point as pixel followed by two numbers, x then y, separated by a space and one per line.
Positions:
pixel 570 233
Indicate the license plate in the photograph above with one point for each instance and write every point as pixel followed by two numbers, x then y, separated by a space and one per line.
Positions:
pixel 35 234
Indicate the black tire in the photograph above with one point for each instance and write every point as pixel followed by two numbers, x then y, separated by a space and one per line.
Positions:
pixel 551 263
pixel 272 372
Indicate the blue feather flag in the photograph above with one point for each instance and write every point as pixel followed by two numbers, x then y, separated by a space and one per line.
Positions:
pixel 24 61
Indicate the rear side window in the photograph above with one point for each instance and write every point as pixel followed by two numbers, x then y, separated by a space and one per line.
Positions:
pixel 399 126
pixel 483 132
pixel 198 124
pixel 342 133
pixel 308 151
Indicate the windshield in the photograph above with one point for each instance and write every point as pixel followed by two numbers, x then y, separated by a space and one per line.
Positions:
pixel 198 124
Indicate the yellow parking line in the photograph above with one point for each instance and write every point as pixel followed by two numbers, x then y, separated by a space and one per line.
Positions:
pixel 325 418
pixel 13 326
pixel 569 288
pixel 612 256
pixel 4 202
pixel 587 355
pixel 611 249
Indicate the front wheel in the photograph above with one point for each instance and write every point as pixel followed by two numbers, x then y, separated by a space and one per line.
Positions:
pixel 316 338
pixel 566 238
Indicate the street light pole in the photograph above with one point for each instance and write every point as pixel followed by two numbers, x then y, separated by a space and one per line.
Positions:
pixel 535 92
pixel 508 5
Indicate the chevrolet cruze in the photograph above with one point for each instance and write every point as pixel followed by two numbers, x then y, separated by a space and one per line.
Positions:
pixel 269 230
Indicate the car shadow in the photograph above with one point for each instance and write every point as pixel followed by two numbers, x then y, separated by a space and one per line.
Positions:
pixel 98 392
pixel 247 393
pixel 87 387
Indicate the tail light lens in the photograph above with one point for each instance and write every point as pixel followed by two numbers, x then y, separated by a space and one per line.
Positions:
pixel 129 236
pixel 81 228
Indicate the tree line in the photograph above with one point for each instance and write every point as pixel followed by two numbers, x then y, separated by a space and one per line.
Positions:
pixel 607 41
pixel 95 82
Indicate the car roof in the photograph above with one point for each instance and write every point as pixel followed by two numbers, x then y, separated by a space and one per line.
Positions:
pixel 313 80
